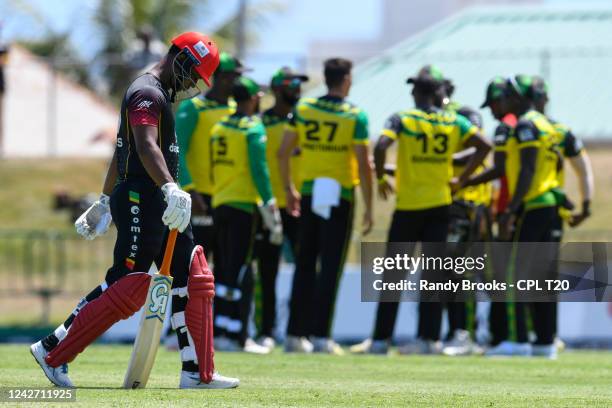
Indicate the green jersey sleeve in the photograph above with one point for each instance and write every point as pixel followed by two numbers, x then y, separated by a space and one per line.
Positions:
pixel 361 129
pixel 466 128
pixel 186 122
pixel 256 139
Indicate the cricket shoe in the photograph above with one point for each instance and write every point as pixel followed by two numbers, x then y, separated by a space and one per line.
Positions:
pixel 549 351
pixel 509 349
pixel 57 375
pixel 560 344
pixel 369 346
pixel 267 342
pixel 250 346
pixel 326 345
pixel 295 344
pixel 459 345
pixel 223 343
pixel 192 380
pixel 420 346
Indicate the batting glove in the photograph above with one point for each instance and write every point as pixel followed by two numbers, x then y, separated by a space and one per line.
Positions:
pixel 272 221
pixel 178 211
pixel 96 220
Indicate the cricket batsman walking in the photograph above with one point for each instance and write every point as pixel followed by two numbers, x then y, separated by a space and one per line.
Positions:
pixel 141 195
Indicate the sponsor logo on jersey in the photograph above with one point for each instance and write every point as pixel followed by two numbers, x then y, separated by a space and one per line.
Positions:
pixel 526 135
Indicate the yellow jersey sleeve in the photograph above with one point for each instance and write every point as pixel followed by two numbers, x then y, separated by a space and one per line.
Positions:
pixel 466 128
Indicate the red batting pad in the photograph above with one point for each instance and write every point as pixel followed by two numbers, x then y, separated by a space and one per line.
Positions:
pixel 121 300
pixel 198 313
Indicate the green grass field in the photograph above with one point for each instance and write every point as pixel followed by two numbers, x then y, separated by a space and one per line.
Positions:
pixel 577 379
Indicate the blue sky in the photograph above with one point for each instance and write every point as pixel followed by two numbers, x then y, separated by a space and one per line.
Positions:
pixel 284 37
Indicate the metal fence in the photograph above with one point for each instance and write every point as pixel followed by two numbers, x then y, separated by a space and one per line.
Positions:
pixel 49 264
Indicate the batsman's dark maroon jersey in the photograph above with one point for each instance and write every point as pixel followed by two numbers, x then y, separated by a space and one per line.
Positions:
pixel 145 103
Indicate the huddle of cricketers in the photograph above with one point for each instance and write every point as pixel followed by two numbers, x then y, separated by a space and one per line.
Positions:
pixel 237 184
pixel 289 175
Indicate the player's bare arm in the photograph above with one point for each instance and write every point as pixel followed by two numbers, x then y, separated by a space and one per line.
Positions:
pixel 284 155
pixel 528 163
pixel 582 167
pixel 178 213
pixel 483 147
pixel 380 156
pixel 151 155
pixel 111 176
pixel 492 173
pixel 365 178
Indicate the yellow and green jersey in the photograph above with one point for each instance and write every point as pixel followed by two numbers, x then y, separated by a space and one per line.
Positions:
pixel 568 145
pixel 194 120
pixel 275 129
pixel 238 162
pixel 427 141
pixel 534 130
pixel 328 128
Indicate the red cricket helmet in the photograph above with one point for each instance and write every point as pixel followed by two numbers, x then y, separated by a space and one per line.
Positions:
pixel 202 50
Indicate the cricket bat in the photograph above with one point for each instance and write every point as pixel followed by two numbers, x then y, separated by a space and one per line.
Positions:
pixel 153 315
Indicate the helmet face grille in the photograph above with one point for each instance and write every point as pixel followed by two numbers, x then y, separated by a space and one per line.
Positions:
pixel 184 85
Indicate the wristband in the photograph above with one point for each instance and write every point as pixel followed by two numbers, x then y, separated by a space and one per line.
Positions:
pixel 382 180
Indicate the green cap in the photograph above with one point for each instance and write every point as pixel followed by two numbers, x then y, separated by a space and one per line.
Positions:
pixel 497 88
pixel 521 84
pixel 229 63
pixel 539 87
pixel 286 76
pixel 244 88
pixel 429 74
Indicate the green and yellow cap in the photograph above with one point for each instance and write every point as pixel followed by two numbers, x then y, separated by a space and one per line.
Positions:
pixel 245 88
pixel 287 77
pixel 521 84
pixel 539 87
pixel 230 64
pixel 497 89
pixel 429 74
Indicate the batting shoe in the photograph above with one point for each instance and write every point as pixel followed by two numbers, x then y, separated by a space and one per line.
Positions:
pixel 369 346
pixel 560 344
pixel 267 342
pixel 326 345
pixel 192 380
pixel 459 345
pixel 420 346
pixel 549 351
pixel 295 344
pixel 250 346
pixel 509 349
pixel 57 375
